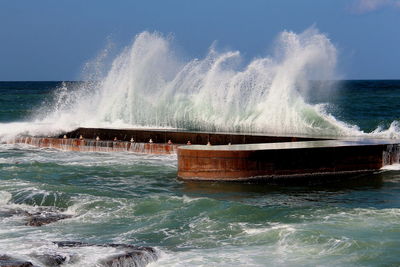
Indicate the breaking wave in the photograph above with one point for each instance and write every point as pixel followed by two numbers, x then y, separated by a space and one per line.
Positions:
pixel 149 85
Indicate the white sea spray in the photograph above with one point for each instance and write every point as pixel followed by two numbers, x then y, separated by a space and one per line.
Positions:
pixel 149 86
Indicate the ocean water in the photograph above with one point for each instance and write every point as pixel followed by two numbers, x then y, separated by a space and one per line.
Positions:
pixel 136 199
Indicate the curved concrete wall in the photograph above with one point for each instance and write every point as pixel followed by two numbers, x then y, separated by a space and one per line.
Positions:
pixel 250 157
pixel 280 160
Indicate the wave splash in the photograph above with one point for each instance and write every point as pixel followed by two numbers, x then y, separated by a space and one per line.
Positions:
pixel 148 85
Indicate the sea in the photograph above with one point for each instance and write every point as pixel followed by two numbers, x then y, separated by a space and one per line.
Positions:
pixel 136 199
pixel 133 198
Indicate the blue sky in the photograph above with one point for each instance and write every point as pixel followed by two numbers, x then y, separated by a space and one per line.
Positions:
pixel 52 39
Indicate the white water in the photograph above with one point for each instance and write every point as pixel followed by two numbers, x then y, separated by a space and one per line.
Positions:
pixel 134 199
pixel 148 85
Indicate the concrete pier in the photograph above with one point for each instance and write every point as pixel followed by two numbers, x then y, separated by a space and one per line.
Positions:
pixel 237 157
pixel 162 136
pixel 285 162
pixel 92 145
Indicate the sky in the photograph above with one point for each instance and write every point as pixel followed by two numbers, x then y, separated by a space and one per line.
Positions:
pixel 51 40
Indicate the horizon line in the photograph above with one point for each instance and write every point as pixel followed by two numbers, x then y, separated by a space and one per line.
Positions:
pixel 388 79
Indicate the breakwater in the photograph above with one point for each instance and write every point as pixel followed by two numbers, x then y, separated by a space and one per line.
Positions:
pixel 148 141
pixel 93 145
pixel 162 136
pixel 295 162
pixel 237 157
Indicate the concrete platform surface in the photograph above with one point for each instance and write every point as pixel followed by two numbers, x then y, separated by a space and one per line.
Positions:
pixel 293 145
pixel 286 162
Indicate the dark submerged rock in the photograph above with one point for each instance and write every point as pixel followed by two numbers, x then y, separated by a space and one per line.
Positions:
pixel 133 258
pixel 51 259
pixel 13 212
pixel 130 256
pixel 43 218
pixel 71 244
pixel 7 261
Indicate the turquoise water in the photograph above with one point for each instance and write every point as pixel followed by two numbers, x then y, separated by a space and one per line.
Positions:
pixel 136 199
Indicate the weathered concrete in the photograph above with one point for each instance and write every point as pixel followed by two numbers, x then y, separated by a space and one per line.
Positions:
pixel 90 145
pixel 84 139
pixel 248 157
pixel 182 137
pixel 283 162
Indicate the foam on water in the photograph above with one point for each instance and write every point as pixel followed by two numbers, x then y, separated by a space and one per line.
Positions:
pixel 29 243
pixel 325 242
pixel 5 197
pixel 148 85
pixel 199 231
pixel 393 167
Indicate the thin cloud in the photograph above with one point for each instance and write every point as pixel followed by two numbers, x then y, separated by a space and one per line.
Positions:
pixel 365 6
